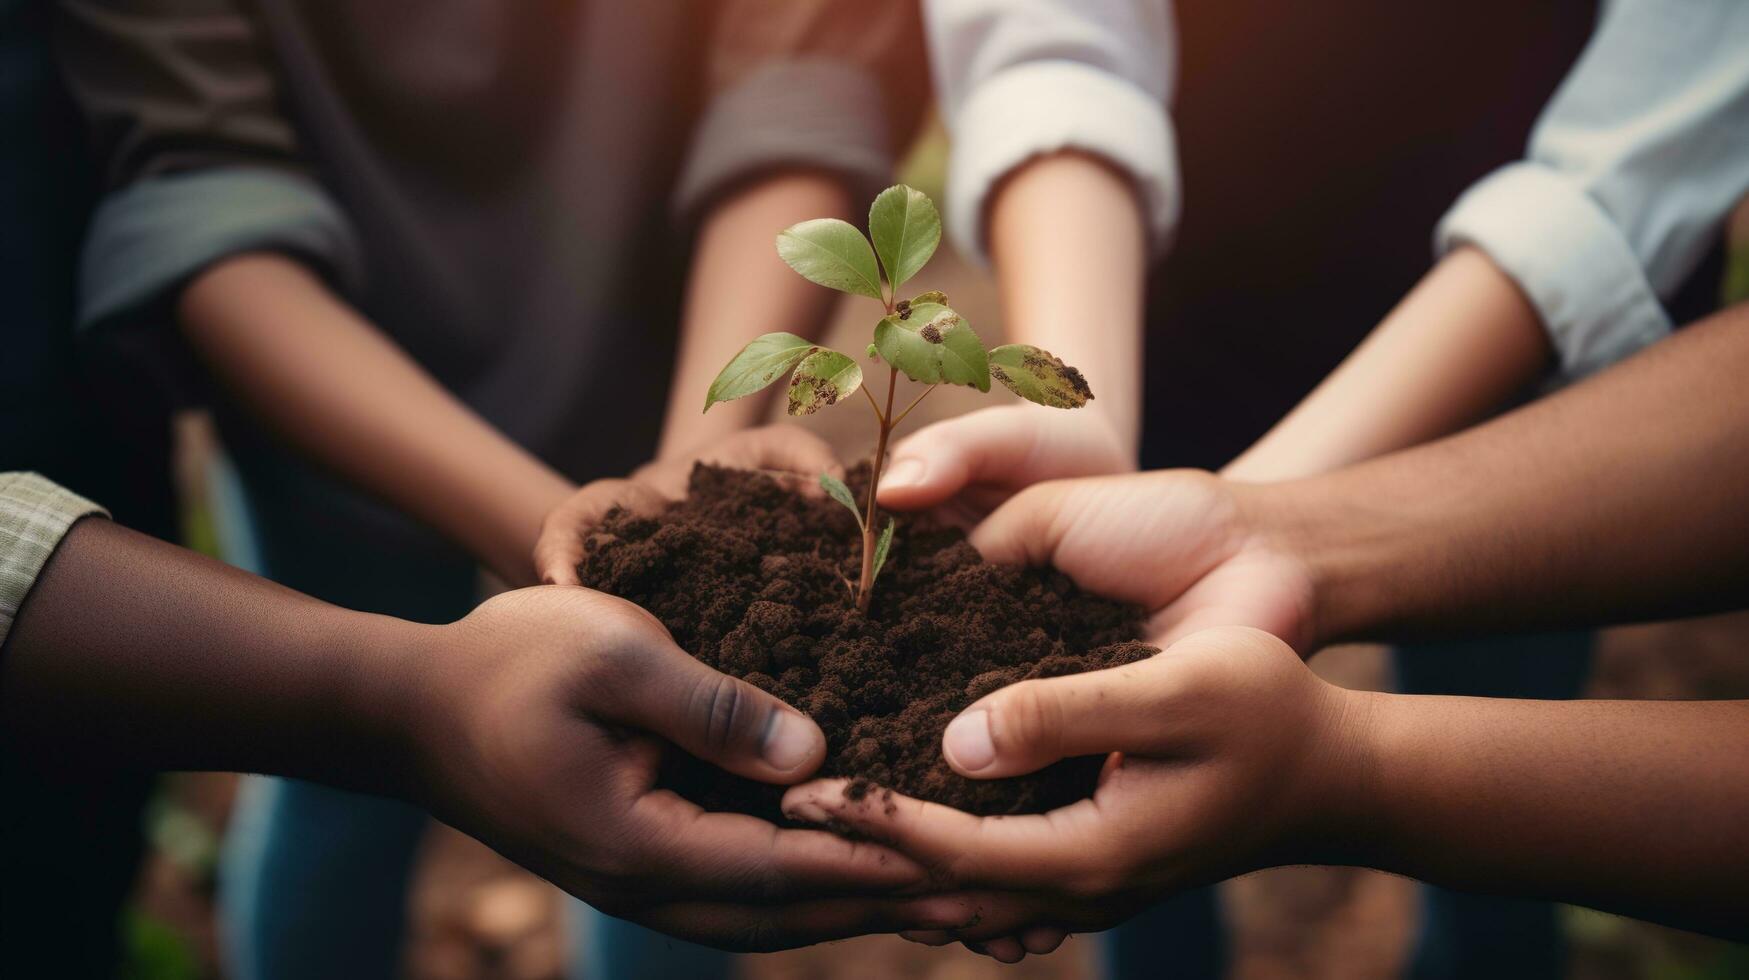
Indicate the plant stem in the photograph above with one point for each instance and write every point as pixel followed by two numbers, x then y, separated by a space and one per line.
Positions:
pixel 914 401
pixel 872 404
pixel 865 586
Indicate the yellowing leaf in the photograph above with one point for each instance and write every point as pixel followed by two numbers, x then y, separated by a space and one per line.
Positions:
pixel 1039 376
pixel 822 378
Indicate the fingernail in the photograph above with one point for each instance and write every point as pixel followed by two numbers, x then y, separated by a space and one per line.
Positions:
pixel 967 741
pixel 808 812
pixel 905 472
pixel 789 741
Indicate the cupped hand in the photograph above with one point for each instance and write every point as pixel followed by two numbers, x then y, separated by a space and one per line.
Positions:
pixel 1231 756
pixel 777 447
pixel 1185 544
pixel 540 721
pixel 972 463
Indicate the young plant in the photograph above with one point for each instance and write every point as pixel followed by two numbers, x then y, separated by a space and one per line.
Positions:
pixel 921 337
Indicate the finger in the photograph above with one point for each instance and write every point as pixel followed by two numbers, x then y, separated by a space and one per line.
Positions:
pixel 1026 851
pixel 751 928
pixel 1024 727
pixel 1040 940
pixel 697 854
pixel 1027 529
pixel 927 937
pixel 942 459
pixel 559 549
pixel 1005 949
pixel 722 720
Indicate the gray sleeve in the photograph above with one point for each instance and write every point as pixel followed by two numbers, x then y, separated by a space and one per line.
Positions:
pixel 828 84
pixel 198 158
pixel 146 240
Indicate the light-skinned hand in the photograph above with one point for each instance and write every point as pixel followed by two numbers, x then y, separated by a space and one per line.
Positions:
pixel 1183 543
pixel 968 465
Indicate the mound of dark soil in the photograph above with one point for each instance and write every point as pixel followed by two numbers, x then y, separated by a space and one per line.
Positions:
pixel 746 573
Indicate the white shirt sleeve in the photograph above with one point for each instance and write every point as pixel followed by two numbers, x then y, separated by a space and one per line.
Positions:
pixel 1020 78
pixel 1633 169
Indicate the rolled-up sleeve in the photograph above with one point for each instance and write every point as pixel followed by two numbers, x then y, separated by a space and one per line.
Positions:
pixel 1021 78
pixel 35 514
pixel 829 84
pixel 198 160
pixel 1631 173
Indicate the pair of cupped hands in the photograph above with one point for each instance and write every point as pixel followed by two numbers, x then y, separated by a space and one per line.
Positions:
pixel 1217 748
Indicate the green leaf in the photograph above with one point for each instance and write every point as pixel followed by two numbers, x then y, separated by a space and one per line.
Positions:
pixel 906 228
pixel 934 345
pixel 1039 376
pixel 832 253
pixel 759 364
pixel 881 547
pixel 821 379
pixel 874 355
pixel 932 296
pixel 836 489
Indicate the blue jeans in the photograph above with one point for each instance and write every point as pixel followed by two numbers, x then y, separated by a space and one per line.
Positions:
pixel 1461 935
pixel 314 881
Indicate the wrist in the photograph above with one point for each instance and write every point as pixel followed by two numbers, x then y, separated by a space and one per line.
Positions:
pixel 380 697
pixel 1348 819
pixel 1331 546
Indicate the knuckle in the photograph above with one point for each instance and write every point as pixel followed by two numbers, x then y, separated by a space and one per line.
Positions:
pixel 1029 721
pixel 723 711
pixel 616 664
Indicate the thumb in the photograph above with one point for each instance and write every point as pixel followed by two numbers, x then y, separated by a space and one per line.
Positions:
pixel 943 459
pixel 719 719
pixel 1027 726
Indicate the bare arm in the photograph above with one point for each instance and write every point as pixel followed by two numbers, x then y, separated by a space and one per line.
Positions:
pixel 133 650
pixel 1633 807
pixel 738 288
pixel 1070 249
pixel 1617 499
pixel 1461 344
pixel 338 389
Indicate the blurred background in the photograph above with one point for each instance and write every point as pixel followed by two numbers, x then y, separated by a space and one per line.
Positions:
pixel 1318 145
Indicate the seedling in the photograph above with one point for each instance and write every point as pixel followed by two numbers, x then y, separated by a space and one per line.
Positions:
pixel 921 337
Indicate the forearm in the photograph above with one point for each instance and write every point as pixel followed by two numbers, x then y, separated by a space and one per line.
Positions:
pixel 1617 499
pixel 738 289
pixel 1632 807
pixel 129 649
pixel 342 392
pixel 1070 250
pixel 1456 349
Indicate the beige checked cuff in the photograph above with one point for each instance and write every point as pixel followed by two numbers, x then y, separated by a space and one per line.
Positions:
pixel 35 514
